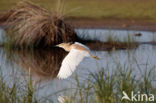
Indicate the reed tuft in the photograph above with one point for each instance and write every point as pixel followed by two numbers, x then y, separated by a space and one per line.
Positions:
pixel 31 24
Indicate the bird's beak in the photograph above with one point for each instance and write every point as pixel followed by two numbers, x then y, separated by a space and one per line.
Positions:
pixel 95 57
pixel 58 45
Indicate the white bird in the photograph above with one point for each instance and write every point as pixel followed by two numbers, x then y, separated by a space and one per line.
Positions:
pixel 77 52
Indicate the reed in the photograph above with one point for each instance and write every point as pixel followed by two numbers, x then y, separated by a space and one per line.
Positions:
pixel 102 86
pixel 14 93
pixel 106 87
pixel 30 24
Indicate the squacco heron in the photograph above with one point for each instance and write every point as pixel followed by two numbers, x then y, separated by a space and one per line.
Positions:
pixel 77 52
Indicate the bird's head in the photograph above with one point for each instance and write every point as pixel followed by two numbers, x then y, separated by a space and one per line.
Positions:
pixel 65 46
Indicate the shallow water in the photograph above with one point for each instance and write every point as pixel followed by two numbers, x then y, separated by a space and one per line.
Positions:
pixel 44 64
pixel 102 34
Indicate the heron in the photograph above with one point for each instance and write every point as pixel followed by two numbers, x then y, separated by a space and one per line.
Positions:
pixel 77 52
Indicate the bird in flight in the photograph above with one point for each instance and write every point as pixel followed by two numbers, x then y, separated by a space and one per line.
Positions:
pixel 77 52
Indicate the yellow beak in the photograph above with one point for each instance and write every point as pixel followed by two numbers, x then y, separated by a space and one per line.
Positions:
pixel 95 57
pixel 58 45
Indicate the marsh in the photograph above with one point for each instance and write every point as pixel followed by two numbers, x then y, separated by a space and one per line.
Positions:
pixel 17 65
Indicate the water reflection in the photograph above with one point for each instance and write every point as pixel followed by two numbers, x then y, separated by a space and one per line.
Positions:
pixel 44 64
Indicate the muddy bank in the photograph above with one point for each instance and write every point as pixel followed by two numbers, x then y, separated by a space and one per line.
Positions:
pixel 113 24
pixel 108 23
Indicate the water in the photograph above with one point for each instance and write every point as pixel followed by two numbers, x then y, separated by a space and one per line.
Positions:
pixel 102 34
pixel 44 64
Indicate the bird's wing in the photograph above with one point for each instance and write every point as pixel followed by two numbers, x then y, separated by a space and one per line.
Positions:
pixel 82 45
pixel 70 63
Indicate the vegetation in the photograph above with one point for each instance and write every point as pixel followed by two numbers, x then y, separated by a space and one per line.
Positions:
pixel 127 43
pixel 32 25
pixel 111 42
pixel 99 9
pixel 103 86
pixel 107 87
pixel 16 94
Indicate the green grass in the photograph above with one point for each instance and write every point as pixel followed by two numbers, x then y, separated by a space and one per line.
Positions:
pixel 99 9
pixel 16 94
pixel 102 86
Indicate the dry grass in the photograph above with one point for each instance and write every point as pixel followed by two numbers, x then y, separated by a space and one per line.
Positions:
pixel 34 25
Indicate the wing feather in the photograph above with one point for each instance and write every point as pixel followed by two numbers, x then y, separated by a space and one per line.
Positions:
pixel 70 62
pixel 82 45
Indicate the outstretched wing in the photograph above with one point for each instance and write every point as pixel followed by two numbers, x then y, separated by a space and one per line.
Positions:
pixel 70 63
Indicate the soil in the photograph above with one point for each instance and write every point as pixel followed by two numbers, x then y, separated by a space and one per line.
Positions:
pixel 111 23
pixel 127 24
